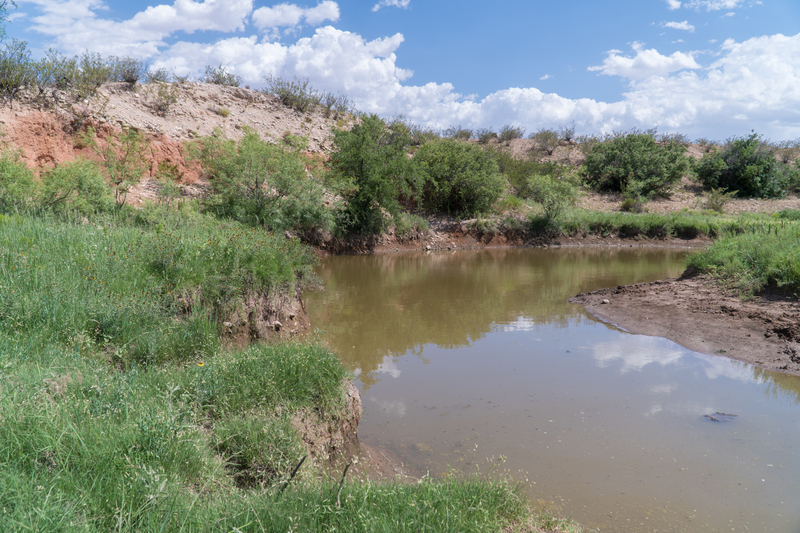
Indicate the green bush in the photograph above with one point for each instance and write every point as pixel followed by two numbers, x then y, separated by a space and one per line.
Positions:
pixel 296 93
pixel 636 165
pixel 92 71
pixel 336 104
pixel 554 194
pixel 220 76
pixel 17 186
pixel 408 226
pixel 462 179
pixel 484 135
pixel 159 75
pixel 546 140
pixel 744 164
pixel 128 69
pixel 260 183
pixel 76 186
pixel 457 132
pixel 121 158
pixel 15 68
pixel 508 133
pixel 371 160
pixel 163 96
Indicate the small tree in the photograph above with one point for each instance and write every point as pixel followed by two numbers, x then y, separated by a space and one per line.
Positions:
pixel 122 160
pixel 372 158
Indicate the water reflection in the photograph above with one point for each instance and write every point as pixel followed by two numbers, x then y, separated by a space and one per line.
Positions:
pixel 457 365
pixel 378 306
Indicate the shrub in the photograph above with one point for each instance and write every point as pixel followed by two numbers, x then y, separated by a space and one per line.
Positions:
pixel 744 164
pixel 163 96
pixel 546 140
pixel 632 205
pixel 122 160
pixel 220 76
pixel 517 171
pixel 567 133
pixel 260 183
pixel 462 179
pixel 554 194
pixel 636 165
pixel 508 133
pixel 716 199
pixel 408 226
pixel 50 74
pixel 159 75
pixel 457 132
pixel 92 71
pixel 484 135
pixel 586 143
pixel 788 151
pixel 17 186
pixel 76 186
pixel 337 104
pixel 296 93
pixel 675 137
pixel 371 158
pixel 129 70
pixel 15 68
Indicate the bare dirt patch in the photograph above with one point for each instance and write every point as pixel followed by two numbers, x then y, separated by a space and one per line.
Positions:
pixel 700 314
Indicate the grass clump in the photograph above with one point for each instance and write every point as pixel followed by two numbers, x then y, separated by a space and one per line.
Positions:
pixel 755 260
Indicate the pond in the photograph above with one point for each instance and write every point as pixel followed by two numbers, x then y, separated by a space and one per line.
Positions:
pixel 475 361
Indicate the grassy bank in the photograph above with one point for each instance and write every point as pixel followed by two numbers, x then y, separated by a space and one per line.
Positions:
pixel 767 257
pixel 121 409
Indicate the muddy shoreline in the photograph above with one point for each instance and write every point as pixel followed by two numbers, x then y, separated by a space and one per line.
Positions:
pixel 703 315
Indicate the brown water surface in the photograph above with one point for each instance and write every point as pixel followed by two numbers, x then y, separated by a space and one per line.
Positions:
pixel 466 357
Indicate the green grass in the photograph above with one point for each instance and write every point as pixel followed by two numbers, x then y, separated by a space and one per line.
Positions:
pixel 682 225
pixel 142 295
pixel 755 260
pixel 121 410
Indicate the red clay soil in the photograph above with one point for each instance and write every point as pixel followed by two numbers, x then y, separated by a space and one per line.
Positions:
pixel 700 314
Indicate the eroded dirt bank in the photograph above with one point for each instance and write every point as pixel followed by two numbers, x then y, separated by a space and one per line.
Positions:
pixel 702 315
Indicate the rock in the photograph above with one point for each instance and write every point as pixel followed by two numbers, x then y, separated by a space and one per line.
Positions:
pixel 605 301
pixel 277 325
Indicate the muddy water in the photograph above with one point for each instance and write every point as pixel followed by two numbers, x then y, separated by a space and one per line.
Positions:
pixel 467 358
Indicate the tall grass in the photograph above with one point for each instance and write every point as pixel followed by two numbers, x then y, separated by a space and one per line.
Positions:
pixel 753 261
pixel 123 289
pixel 654 225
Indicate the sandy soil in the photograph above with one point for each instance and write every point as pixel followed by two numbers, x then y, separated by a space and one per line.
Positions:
pixel 702 315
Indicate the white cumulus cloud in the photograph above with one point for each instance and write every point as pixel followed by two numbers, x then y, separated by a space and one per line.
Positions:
pixel 391 3
pixel 714 5
pixel 673 4
pixel 679 25
pixel 291 15
pixel 644 64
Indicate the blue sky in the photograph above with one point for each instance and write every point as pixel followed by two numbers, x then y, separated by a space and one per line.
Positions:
pixel 706 68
